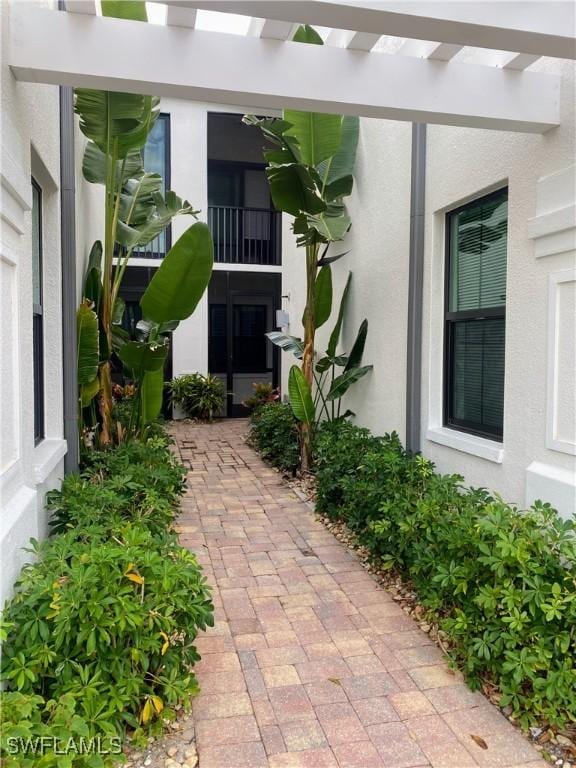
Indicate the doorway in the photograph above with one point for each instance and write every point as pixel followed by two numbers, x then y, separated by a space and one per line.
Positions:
pixel 242 307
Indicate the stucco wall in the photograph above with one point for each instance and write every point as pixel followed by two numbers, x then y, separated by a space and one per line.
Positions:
pixel 30 146
pixel 462 164
pixel 378 259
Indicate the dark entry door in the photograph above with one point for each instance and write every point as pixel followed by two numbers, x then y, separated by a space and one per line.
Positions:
pixel 239 352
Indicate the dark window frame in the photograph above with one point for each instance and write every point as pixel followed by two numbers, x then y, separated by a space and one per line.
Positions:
pixel 450 320
pixel 38 330
pixel 146 254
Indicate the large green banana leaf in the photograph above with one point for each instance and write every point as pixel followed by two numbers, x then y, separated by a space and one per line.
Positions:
pixel 341 165
pixel 93 278
pixel 300 396
pixel 355 356
pixel 95 165
pixel 307 34
pixel 109 119
pixel 342 383
pixel 180 281
pixel 287 343
pixel 293 189
pixel 159 212
pixel 335 335
pixel 143 356
pixel 134 10
pixel 151 391
pixel 318 134
pixel 323 299
pixel 87 349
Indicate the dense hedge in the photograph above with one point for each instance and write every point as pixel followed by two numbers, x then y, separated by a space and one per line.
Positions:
pixel 502 581
pixel 274 433
pixel 100 632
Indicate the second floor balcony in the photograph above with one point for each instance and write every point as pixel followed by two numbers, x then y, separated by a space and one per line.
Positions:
pixel 246 235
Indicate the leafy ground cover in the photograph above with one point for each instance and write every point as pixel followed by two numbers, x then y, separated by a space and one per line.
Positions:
pixel 99 636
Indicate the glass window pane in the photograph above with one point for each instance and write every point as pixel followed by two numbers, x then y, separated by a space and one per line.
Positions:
pixel 477 395
pixel 154 159
pixel 36 246
pixel 249 342
pixel 478 236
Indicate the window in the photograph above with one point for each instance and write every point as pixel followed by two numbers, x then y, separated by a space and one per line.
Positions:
pixel 475 316
pixel 156 159
pixel 37 321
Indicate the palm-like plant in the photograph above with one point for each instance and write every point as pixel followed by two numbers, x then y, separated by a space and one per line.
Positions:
pixel 117 126
pixel 310 166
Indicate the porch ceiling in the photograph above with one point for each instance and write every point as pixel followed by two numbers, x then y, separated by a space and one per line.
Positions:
pixel 404 61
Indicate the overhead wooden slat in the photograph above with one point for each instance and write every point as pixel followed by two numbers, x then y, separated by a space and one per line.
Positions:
pixel 273 30
pixel 81 6
pixel 363 41
pixel 444 51
pixel 355 41
pixel 181 17
pixel 518 61
pixel 66 49
pixel 425 49
pixel 527 26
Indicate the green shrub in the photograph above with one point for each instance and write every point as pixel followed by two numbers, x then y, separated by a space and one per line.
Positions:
pixel 505 581
pixel 138 481
pixel 111 621
pixel 339 448
pixel 274 433
pixel 502 581
pixel 262 392
pixel 200 397
pixel 36 732
pixel 104 620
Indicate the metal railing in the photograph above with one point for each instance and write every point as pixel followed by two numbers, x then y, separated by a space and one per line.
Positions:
pixel 155 249
pixel 246 235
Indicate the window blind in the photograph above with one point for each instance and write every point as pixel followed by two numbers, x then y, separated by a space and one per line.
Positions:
pixel 475 316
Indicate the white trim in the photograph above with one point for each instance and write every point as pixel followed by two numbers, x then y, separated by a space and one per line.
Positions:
pixel 552 441
pixel 136 262
pixel 223 267
pixel 66 49
pixel 553 484
pixel 218 266
pixel 47 454
pixel 462 441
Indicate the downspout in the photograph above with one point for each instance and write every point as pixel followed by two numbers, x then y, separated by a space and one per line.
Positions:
pixel 69 300
pixel 415 288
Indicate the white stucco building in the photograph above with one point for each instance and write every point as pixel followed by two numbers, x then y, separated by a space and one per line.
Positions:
pixel 474 367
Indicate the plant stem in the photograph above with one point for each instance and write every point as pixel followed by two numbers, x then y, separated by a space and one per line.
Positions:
pixel 308 355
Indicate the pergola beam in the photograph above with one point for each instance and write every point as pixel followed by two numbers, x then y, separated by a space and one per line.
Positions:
pixel 528 26
pixel 66 49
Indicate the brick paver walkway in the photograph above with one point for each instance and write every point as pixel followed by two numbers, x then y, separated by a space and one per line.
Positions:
pixel 311 664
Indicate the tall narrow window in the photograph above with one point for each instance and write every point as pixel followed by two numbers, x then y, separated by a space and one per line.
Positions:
pixel 476 316
pixel 37 321
pixel 156 159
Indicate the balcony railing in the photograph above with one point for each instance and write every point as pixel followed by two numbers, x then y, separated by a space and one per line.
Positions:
pixel 155 249
pixel 246 235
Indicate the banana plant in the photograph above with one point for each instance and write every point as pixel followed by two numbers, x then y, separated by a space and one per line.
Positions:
pixel 324 400
pixel 117 126
pixel 171 296
pixel 310 165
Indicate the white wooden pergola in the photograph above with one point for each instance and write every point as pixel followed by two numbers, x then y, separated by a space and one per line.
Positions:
pixel 455 63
